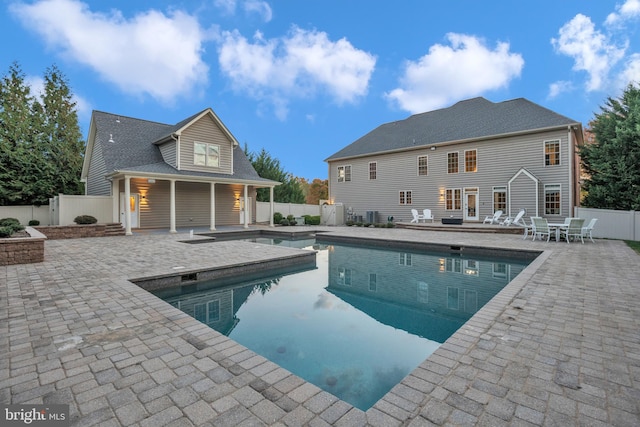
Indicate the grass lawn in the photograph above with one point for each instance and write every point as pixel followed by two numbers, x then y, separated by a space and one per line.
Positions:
pixel 633 244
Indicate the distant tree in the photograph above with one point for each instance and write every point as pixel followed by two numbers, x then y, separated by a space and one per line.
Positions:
pixel 611 160
pixel 40 140
pixel 318 190
pixel 268 167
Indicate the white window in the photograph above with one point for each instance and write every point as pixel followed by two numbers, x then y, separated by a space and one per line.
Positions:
pixel 423 165
pixel 453 199
pixel 344 276
pixel 405 197
pixel 423 293
pixel 471 161
pixel 404 259
pixel 373 282
pixel 452 162
pixel 500 199
pixel 344 173
pixel 206 154
pixel 452 299
pixel 207 312
pixel 373 170
pixel 552 198
pixel 552 153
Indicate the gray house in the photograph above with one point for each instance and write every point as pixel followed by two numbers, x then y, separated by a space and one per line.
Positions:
pixel 190 174
pixel 465 161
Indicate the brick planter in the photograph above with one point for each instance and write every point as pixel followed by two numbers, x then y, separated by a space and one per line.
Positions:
pixel 22 250
pixel 56 232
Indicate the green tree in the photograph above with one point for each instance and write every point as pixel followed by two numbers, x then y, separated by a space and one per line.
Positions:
pixel 268 167
pixel 612 160
pixel 40 140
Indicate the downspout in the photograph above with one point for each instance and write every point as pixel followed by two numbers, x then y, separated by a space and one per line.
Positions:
pixel 176 138
pixel 571 174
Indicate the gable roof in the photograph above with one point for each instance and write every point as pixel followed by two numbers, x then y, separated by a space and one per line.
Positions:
pixel 475 118
pixel 131 145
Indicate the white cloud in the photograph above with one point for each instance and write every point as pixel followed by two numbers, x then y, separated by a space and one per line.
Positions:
pixel 296 66
pixel 590 49
pixel 262 8
pixel 630 9
pixel 228 6
pixel 559 87
pixel 151 53
pixel 465 68
pixel 631 72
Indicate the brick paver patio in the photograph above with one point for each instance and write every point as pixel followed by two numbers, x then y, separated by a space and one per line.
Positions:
pixel 560 345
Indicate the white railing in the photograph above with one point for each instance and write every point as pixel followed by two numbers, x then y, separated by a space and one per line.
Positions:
pixel 612 224
pixel 286 209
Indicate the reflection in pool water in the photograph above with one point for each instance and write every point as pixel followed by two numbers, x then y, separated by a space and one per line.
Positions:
pixel 357 324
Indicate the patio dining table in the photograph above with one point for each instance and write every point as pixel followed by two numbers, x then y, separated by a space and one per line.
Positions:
pixel 557 226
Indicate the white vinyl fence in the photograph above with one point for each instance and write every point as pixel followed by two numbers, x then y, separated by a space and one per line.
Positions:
pixel 65 208
pixel 286 209
pixel 612 224
pixel 26 213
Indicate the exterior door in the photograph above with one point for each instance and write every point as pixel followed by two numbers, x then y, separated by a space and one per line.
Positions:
pixel 245 209
pixel 471 204
pixel 134 201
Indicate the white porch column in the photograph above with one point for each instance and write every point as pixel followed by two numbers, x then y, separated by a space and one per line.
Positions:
pixel 172 206
pixel 212 221
pixel 246 210
pixel 115 202
pixel 271 207
pixel 127 205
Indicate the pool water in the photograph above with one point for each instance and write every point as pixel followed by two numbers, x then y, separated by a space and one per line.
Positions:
pixel 360 322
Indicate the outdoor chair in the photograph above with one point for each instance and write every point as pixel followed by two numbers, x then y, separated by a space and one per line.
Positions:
pixel 588 229
pixel 493 219
pixel 517 220
pixel 427 215
pixel 416 216
pixel 528 228
pixel 574 230
pixel 541 228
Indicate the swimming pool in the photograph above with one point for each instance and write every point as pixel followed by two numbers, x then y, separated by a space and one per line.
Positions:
pixel 358 323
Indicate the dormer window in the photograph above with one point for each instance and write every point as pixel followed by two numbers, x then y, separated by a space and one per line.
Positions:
pixel 206 154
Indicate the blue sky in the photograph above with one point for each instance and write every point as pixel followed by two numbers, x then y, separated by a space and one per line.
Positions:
pixel 302 79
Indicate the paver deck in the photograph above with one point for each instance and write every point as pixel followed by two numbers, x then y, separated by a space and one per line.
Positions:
pixel 560 345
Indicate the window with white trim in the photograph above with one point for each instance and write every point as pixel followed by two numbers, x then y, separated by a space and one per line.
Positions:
pixel 471 160
pixel 206 154
pixel 453 199
pixel 423 165
pixel 207 312
pixel 552 198
pixel 373 282
pixel 499 199
pixel 552 153
pixel 452 162
pixel 452 298
pixel 404 258
pixel 373 170
pixel 423 293
pixel 344 173
pixel 405 197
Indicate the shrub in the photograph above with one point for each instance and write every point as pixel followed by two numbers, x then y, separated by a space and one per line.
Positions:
pixel 290 217
pixel 85 219
pixel 390 225
pixel 34 222
pixel 277 218
pixel 8 222
pixel 5 231
pixel 284 221
pixel 312 219
pixel 349 223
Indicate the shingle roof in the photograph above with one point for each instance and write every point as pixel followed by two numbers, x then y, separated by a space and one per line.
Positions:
pixel 133 147
pixel 466 120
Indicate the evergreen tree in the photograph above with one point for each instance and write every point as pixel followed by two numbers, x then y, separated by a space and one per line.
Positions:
pixel 268 167
pixel 612 160
pixel 16 131
pixel 40 142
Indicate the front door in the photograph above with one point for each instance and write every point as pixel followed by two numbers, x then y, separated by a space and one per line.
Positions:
pixel 471 204
pixel 133 203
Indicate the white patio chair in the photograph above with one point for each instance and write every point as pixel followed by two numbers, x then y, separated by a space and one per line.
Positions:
pixel 541 228
pixel 493 219
pixel 528 228
pixel 588 229
pixel 427 215
pixel 516 220
pixel 416 216
pixel 574 230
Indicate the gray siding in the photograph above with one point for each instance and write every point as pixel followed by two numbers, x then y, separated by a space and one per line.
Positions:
pixel 205 130
pixel 497 162
pixel 168 150
pixel 97 184
pixel 192 203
